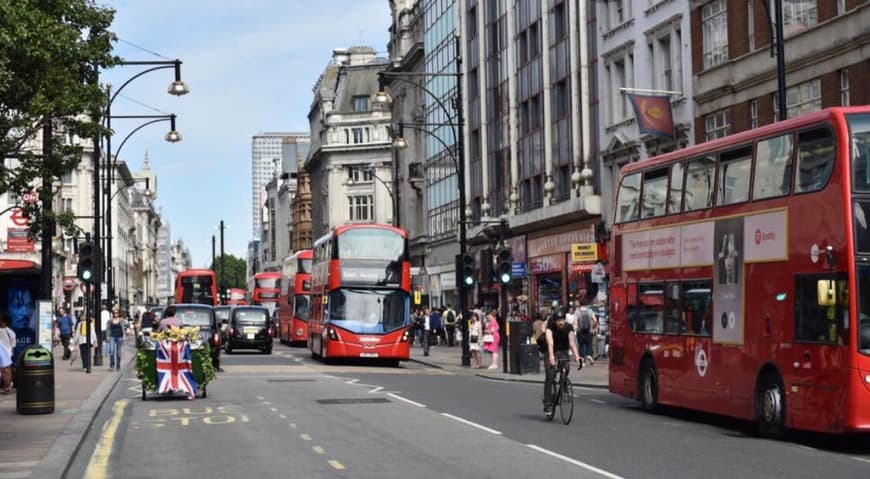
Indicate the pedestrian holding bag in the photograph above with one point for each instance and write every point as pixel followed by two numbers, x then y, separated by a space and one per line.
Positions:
pixel 487 338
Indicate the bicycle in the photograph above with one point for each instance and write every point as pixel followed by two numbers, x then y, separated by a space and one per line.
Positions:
pixel 563 393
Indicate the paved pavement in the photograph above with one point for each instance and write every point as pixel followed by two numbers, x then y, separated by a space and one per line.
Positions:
pixel 41 445
pixel 450 358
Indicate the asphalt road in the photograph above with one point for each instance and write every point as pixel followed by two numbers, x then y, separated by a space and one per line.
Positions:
pixel 286 416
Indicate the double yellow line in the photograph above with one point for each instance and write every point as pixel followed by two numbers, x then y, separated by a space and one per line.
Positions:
pixel 98 466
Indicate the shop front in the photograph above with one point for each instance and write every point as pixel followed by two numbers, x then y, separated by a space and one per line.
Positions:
pixel 554 275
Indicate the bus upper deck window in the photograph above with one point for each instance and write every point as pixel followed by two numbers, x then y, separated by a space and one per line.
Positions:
pixel 815 159
pixel 627 198
pixel 735 168
pixel 773 158
pixel 655 184
pixel 699 183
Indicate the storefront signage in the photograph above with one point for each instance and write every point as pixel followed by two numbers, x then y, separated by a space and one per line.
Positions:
pixel 46 318
pixel 518 270
pixel 584 252
pixel 18 242
pixel 6 264
pixel 559 243
pixel 547 264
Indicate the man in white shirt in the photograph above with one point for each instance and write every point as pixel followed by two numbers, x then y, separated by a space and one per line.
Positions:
pixel 569 316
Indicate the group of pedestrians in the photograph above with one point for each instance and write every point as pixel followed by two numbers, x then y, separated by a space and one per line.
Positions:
pixel 484 337
pixel 113 329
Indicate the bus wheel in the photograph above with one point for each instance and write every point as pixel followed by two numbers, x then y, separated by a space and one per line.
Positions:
pixel 649 387
pixel 770 406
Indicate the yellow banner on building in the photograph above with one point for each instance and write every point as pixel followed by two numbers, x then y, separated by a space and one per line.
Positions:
pixel 584 252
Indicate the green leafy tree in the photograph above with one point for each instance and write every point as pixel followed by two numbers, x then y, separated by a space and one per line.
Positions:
pixel 236 269
pixel 50 53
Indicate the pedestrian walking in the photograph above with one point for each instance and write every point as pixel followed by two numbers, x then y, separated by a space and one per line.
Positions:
pixel 435 326
pixel 105 319
pixel 116 337
pixel 491 339
pixel 449 318
pixel 7 343
pixel 426 331
pixel 474 340
pixel 585 332
pixel 65 329
pixel 81 339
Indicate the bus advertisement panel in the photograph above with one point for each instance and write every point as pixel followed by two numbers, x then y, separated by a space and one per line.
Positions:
pixel 360 299
pixel 267 290
pixel 294 306
pixel 739 280
pixel 196 286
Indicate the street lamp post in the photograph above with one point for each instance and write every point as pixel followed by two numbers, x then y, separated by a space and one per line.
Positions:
pixel 176 88
pixel 459 163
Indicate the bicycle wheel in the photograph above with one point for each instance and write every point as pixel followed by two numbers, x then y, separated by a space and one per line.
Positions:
pixel 566 401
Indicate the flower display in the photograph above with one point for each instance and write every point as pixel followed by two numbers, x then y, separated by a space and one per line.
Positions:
pixel 189 334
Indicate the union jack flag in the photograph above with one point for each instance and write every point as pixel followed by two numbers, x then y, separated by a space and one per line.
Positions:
pixel 175 368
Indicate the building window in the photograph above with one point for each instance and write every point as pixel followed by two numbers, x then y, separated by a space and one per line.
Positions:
pixel 360 104
pixel 750 22
pixel 714 26
pixel 67 204
pixel 361 175
pixel 717 125
pixel 797 15
pixel 360 208
pixel 617 13
pixel 667 77
pixel 534 41
pixel 357 135
pixel 67 177
pixel 753 114
pixel 844 87
pixel 560 22
pixel 617 81
pixel 841 7
pixel 803 98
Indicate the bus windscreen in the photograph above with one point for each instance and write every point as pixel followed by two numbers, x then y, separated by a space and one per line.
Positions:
pixel 367 311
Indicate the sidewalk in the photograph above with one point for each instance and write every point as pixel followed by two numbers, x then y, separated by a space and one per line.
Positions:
pixel 41 445
pixel 450 359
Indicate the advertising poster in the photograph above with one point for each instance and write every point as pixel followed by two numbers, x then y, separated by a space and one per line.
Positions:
pixel 46 321
pixel 728 281
pixel 21 307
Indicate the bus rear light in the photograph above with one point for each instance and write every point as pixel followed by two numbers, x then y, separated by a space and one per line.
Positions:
pixel 406 336
pixel 332 334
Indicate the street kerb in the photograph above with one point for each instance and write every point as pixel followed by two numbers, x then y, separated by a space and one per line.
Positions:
pixel 64 449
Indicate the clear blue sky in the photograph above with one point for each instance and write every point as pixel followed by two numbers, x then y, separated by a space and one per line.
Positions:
pixel 250 66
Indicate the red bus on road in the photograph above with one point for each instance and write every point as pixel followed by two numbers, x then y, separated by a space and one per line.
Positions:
pixel 360 294
pixel 238 297
pixel 741 276
pixel 197 286
pixel 267 290
pixel 295 297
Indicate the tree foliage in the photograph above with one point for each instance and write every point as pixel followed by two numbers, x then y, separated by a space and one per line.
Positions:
pixel 50 54
pixel 237 271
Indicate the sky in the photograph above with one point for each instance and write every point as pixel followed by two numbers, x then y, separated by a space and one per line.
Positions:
pixel 250 66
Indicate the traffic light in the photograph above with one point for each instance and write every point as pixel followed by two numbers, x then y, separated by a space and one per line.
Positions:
pixel 486 267
pixel 504 264
pixel 468 269
pixel 89 260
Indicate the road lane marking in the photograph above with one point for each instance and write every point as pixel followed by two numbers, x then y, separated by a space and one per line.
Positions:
pixel 273 409
pixel 862 459
pixel 470 423
pixel 98 466
pixel 267 403
pixel 305 437
pixel 400 398
pixel 582 464
pixel 336 465
pixel 292 425
pixel 319 450
pixel 598 401
pixel 282 416
pixel 260 398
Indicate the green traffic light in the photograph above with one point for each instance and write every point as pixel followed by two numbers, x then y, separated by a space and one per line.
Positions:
pixel 469 280
pixel 505 278
pixel 87 275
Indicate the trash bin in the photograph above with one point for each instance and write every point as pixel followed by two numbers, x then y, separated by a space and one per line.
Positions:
pixel 35 381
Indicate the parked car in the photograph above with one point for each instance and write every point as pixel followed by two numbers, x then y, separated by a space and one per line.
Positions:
pixel 250 327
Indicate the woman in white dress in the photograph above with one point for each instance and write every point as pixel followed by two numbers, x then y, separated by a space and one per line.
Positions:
pixel 474 340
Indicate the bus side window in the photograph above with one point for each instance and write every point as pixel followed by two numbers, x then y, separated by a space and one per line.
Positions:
pixel 773 167
pixel 815 159
pixel 650 307
pixel 735 169
pixel 698 307
pixel 699 183
pixel 627 199
pixel 672 316
pixel 815 311
pixel 655 189
pixel 675 190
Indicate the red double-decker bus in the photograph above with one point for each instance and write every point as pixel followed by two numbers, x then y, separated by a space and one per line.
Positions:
pixel 237 297
pixel 360 294
pixel 267 290
pixel 741 276
pixel 295 302
pixel 196 286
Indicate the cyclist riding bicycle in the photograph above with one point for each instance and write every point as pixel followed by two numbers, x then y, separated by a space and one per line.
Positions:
pixel 560 338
